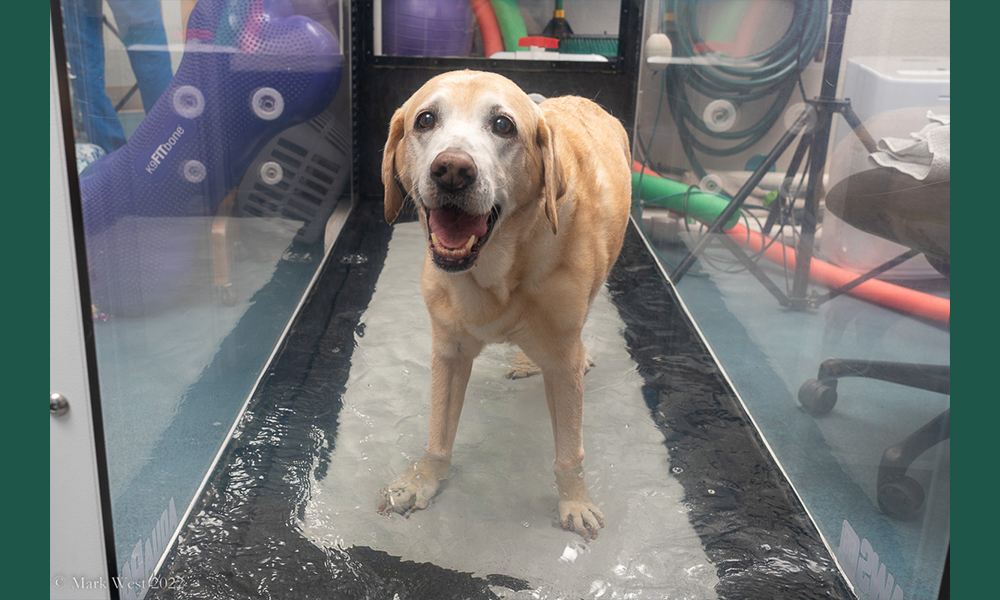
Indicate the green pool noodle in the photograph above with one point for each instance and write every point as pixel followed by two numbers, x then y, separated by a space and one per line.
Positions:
pixel 511 23
pixel 670 194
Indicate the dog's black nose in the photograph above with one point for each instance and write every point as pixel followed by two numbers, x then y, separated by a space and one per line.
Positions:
pixel 453 170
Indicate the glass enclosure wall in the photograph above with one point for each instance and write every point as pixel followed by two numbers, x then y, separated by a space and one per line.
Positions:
pixel 213 147
pixel 787 148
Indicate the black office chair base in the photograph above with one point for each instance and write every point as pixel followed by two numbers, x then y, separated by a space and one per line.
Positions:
pixel 899 495
pixel 818 398
pixel 901 499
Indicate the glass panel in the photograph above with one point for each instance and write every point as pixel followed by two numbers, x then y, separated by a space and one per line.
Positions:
pixel 576 30
pixel 213 144
pixel 787 149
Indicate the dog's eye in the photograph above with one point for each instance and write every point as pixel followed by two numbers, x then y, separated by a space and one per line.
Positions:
pixel 503 126
pixel 425 120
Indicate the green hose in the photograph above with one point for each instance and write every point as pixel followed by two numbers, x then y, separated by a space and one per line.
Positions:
pixel 773 73
pixel 681 198
pixel 511 23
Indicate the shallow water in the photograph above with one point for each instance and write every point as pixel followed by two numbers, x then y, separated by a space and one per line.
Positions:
pixel 496 514
pixel 691 494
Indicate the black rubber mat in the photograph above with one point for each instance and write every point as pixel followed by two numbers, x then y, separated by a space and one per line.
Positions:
pixel 243 539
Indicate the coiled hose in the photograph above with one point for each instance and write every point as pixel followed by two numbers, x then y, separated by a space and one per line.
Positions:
pixel 773 72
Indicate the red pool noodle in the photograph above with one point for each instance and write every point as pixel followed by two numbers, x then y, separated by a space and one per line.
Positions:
pixel 880 292
pixel 488 27
pixel 887 294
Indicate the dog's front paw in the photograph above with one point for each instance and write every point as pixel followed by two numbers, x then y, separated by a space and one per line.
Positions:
pixel 403 497
pixel 583 517
pixel 414 490
pixel 577 512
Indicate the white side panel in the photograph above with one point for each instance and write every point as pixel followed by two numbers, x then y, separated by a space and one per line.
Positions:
pixel 77 565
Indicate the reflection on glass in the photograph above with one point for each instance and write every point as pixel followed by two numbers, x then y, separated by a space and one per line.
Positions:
pixel 206 198
pixel 795 183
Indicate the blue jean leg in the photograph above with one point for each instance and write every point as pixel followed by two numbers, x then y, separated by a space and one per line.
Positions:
pixel 85 50
pixel 140 25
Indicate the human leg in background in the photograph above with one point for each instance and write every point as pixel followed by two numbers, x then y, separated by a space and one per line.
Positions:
pixel 140 25
pixel 95 115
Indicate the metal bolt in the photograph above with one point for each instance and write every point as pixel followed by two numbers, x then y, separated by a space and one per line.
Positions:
pixel 58 404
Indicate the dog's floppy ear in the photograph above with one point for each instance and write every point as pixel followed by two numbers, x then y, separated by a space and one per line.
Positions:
pixel 552 172
pixel 393 189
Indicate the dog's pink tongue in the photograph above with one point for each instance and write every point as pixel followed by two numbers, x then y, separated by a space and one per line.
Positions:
pixel 453 226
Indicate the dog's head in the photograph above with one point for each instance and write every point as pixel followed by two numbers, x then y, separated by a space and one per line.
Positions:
pixel 470 149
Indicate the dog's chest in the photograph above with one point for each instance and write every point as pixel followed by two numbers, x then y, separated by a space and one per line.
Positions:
pixel 491 315
pixel 500 330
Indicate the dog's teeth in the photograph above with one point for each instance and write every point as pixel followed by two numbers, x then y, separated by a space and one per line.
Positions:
pixel 443 250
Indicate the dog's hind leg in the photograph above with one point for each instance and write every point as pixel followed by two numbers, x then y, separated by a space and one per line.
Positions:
pixel 522 366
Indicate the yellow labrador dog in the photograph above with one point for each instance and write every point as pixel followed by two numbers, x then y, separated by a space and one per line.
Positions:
pixel 525 207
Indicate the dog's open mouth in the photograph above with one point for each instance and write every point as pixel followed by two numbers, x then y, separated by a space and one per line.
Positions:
pixel 456 237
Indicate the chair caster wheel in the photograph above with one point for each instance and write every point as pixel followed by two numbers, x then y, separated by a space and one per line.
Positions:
pixel 817 397
pixel 901 498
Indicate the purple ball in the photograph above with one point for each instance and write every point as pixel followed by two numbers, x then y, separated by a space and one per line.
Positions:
pixel 427 27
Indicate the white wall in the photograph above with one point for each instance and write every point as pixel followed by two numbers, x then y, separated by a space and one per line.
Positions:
pixel 586 17
pixel 899 28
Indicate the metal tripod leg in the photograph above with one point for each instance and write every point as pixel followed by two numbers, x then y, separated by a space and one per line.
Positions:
pixel 815 143
pixel 740 197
